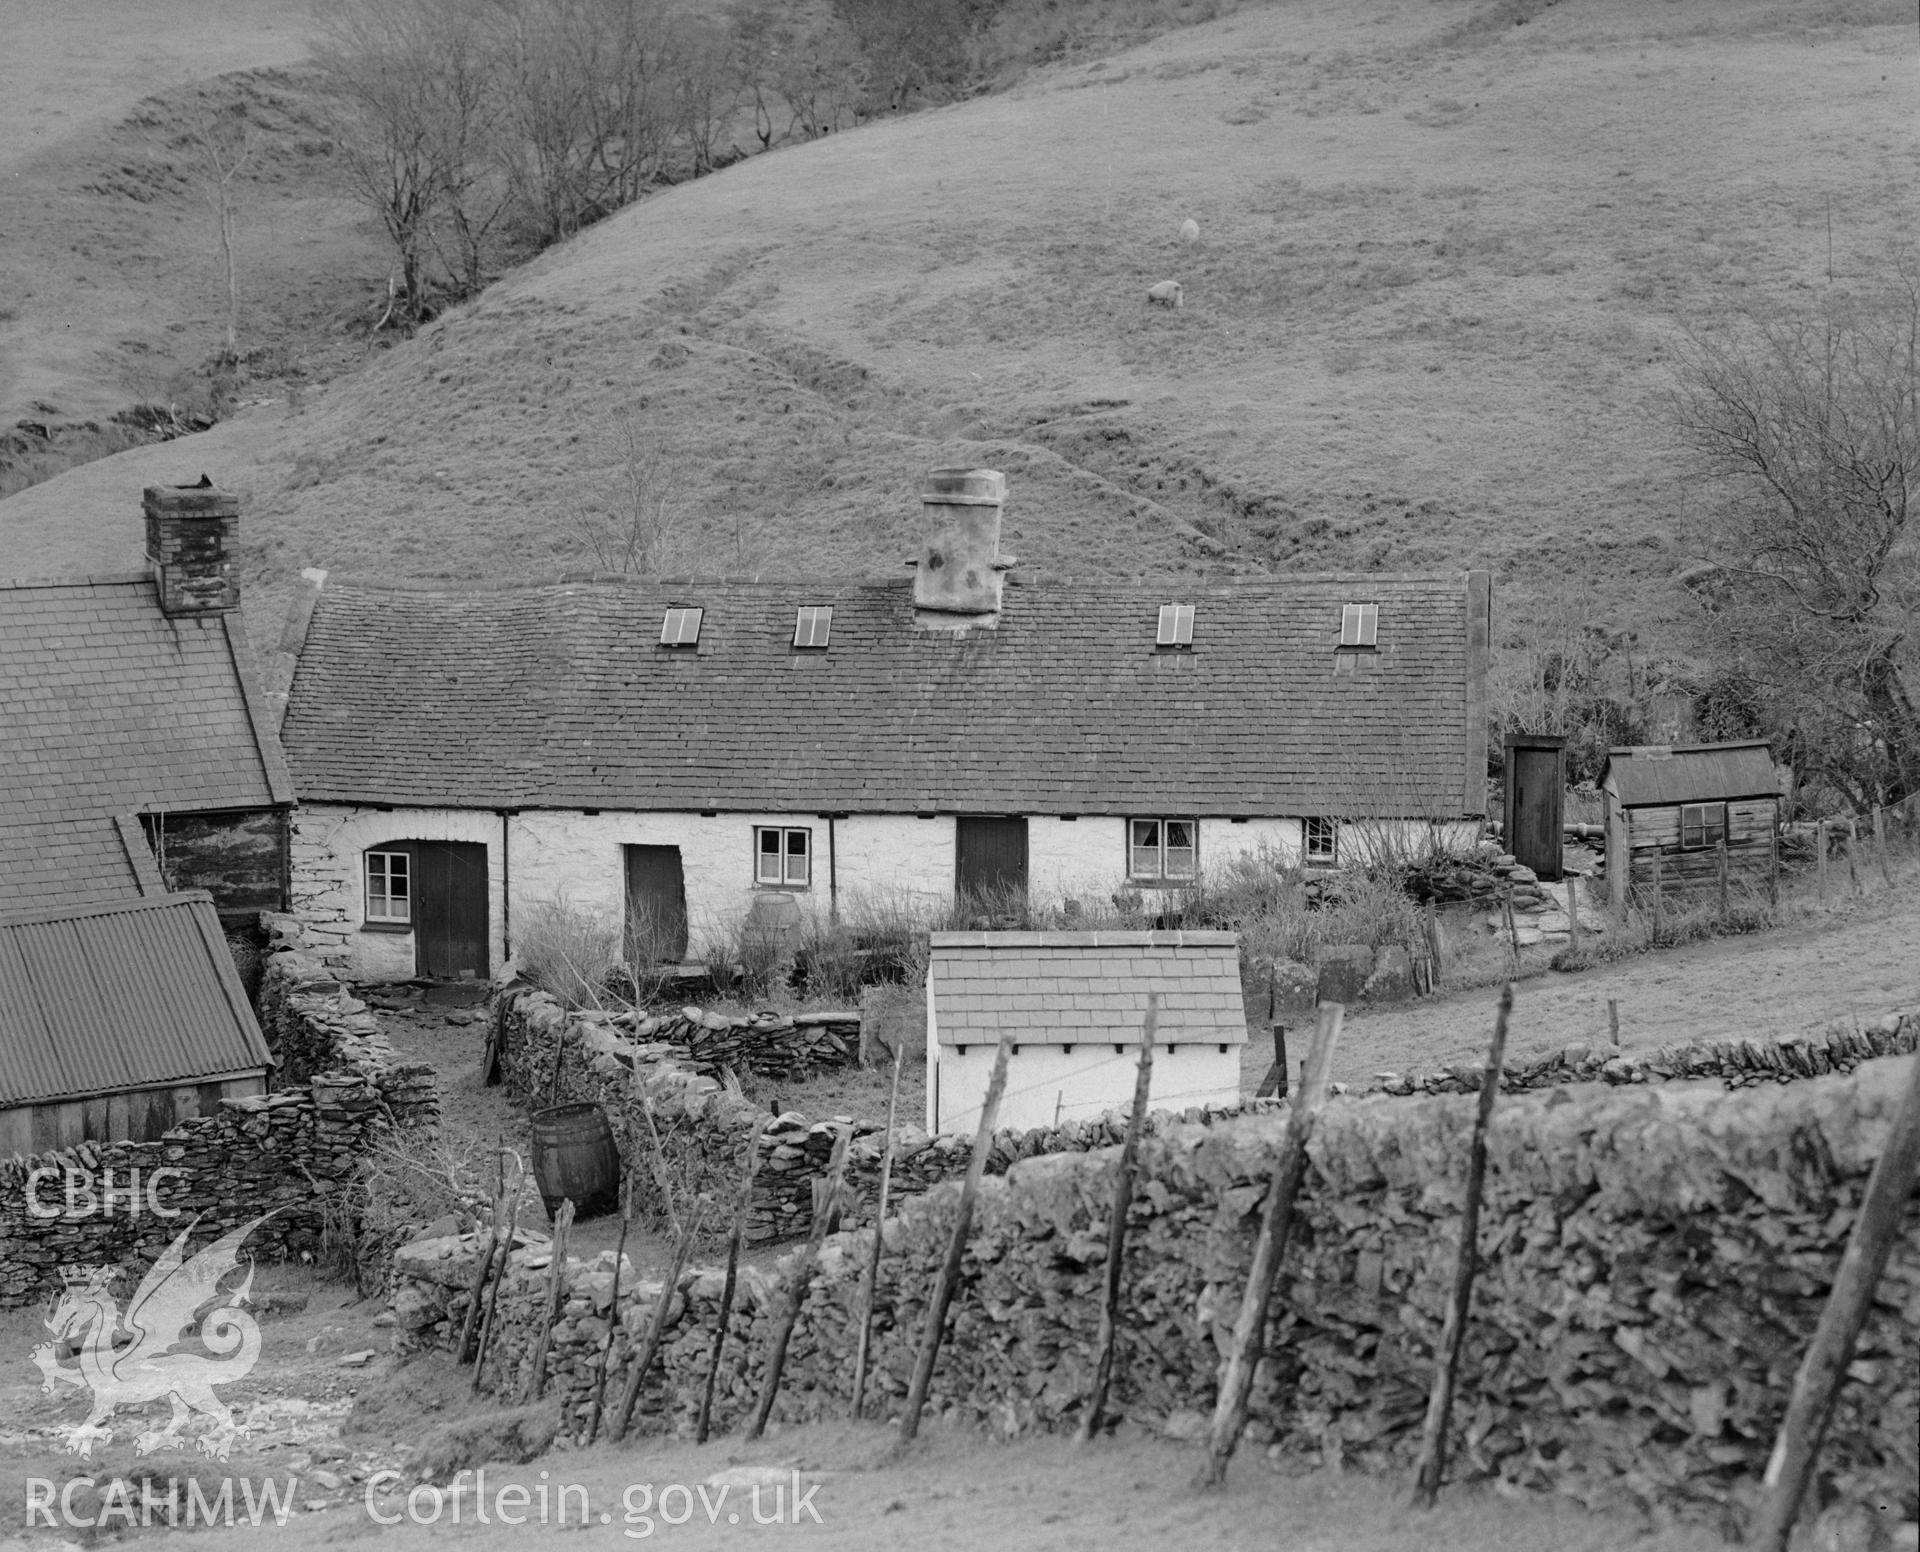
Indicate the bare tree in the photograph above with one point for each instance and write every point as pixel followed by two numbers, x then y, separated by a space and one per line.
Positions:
pixel 633 526
pixel 223 140
pixel 383 58
pixel 1812 591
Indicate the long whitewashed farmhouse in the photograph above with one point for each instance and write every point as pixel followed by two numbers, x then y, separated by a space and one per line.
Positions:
pixel 669 753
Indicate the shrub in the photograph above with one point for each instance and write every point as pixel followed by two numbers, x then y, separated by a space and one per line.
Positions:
pixel 568 951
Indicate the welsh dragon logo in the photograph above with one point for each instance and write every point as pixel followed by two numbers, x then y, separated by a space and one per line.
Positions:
pixel 163 1311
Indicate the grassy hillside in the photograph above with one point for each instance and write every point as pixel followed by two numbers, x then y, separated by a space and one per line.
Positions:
pixel 1446 251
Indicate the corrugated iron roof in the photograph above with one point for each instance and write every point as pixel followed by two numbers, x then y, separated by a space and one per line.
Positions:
pixel 1691 773
pixel 1086 988
pixel 119 997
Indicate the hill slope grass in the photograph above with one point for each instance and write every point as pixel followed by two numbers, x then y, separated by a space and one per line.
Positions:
pixel 1446 252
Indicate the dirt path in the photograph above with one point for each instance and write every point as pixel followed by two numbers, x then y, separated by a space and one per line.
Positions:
pixel 1853 963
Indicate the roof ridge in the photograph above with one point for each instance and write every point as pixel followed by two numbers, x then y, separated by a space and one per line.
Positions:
pixel 101 579
pixel 1016 578
pixel 108 908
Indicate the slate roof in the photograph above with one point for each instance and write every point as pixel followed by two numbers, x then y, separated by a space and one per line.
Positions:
pixel 1086 988
pixel 75 985
pixel 1691 773
pixel 111 708
pixel 560 695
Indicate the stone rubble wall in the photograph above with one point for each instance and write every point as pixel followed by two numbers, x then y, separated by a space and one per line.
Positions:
pixel 1735 1063
pixel 648 1089
pixel 1654 1259
pixel 295 1152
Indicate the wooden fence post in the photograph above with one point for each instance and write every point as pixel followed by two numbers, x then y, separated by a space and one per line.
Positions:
pixel 1853 867
pixel 613 1321
pixel 1720 860
pixel 1276 1226
pixel 499 1276
pixel 1434 949
pixel 1824 1367
pixel 872 1280
pixel 799 1281
pixel 1513 934
pixel 740 1216
pixel 956 1247
pixel 1820 837
pixel 1613 1021
pixel 1432 1463
pixel 556 1280
pixel 1880 843
pixel 1659 896
pixel 1117 1227
pixel 1573 912
pixel 657 1322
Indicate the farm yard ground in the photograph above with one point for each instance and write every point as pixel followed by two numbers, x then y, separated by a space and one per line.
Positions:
pixel 331 1429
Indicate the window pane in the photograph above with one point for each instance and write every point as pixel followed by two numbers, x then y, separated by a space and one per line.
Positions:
pixel 766 868
pixel 1350 625
pixel 1369 624
pixel 796 843
pixel 769 841
pixel 1180 848
pixel 1716 823
pixel 1143 859
pixel 797 868
pixel 1183 625
pixel 1167 616
pixel 1692 823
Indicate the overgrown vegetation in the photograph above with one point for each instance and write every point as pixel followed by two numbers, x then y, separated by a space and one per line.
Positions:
pixel 1810 591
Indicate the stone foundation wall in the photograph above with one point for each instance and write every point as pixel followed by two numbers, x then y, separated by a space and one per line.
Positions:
pixel 295 1152
pixel 1655 1259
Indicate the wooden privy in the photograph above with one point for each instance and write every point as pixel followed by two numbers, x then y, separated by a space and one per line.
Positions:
pixel 1690 819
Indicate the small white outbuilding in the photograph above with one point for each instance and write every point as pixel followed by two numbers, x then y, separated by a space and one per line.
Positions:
pixel 1075 1002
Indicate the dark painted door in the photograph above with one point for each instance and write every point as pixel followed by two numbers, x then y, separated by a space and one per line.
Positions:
pixel 1534 803
pixel 450 909
pixel 990 863
pixel 656 905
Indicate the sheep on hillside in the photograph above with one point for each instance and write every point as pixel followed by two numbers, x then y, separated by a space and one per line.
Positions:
pixel 1168 293
pixel 1189 230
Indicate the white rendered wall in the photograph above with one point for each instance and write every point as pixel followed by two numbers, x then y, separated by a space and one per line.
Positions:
pixel 1046 1083
pixel 329 843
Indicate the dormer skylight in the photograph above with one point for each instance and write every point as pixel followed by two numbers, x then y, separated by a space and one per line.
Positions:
pixel 1176 625
pixel 681 628
pixel 813 625
pixel 1359 625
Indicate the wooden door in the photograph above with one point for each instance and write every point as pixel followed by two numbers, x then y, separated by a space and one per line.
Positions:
pixel 656 906
pixel 1535 794
pixel 450 909
pixel 990 863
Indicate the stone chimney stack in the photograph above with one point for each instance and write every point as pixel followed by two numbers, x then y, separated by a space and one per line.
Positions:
pixel 190 542
pixel 960 569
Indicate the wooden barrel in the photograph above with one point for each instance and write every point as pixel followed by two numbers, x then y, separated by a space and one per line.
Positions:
pixel 574 1156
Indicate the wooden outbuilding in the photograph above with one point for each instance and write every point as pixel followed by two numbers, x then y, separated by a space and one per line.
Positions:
pixel 1683 819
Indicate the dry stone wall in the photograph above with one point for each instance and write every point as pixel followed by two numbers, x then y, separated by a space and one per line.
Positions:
pixel 1735 1063
pixel 649 1089
pixel 1654 1260
pixel 295 1152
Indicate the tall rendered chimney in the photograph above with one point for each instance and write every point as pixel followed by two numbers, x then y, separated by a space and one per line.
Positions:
pixel 959 572
pixel 190 541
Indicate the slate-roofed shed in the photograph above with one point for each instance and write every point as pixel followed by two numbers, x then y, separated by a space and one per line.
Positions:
pixel 562 695
pixel 1681 818
pixel 119 1020
pixel 113 707
pixel 1074 1003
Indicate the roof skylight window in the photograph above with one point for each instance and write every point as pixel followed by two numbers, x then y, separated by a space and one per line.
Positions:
pixel 1176 625
pixel 813 625
pixel 681 628
pixel 1359 625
